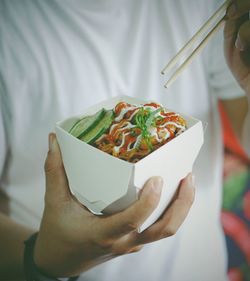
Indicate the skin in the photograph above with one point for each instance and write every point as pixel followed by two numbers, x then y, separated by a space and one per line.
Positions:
pixel 72 240
pixel 12 236
pixel 67 246
pixel 237 42
pixel 237 53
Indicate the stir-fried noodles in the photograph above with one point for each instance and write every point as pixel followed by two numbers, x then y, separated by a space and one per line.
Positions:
pixel 137 130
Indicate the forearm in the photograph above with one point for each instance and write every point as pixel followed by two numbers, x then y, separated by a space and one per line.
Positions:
pixel 238 113
pixel 12 236
pixel 246 131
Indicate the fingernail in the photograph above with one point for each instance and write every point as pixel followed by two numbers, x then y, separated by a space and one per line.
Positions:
pixel 232 11
pixel 191 180
pixel 52 142
pixel 157 184
pixel 238 44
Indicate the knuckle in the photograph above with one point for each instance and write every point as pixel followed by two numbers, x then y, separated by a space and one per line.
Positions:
pixel 127 250
pixel 169 230
pixel 105 243
pixel 118 250
pixel 135 249
pixel 131 226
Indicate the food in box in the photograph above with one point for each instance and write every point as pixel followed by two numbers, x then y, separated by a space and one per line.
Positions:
pixel 129 132
pixel 155 142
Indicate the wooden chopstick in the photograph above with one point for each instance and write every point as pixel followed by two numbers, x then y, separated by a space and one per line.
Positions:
pixel 194 53
pixel 220 13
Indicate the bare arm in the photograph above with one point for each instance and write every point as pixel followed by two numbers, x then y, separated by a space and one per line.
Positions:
pixel 236 110
pixel 237 52
pixel 72 240
pixel 12 236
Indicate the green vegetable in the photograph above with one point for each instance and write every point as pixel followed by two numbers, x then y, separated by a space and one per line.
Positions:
pixel 99 129
pixel 144 119
pixel 151 117
pixel 84 125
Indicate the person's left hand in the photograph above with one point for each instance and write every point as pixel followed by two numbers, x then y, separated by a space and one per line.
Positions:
pixel 237 42
pixel 72 240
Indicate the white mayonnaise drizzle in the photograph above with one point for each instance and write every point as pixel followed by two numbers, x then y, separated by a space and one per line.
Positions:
pixel 123 112
pixel 153 132
pixel 152 108
pixel 128 126
pixel 138 139
pixel 117 148
pixel 163 134
pixel 133 114
pixel 160 135
pixel 167 134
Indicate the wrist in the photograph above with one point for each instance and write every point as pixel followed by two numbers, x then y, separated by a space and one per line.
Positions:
pixel 42 257
pixel 50 256
pixel 34 272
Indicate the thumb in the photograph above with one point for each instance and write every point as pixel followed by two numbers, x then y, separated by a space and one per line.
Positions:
pixel 56 180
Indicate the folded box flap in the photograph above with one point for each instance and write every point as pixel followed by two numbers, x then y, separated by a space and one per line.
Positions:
pixel 88 168
pixel 95 207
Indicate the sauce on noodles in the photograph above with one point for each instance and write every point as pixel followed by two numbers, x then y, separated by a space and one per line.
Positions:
pixel 137 130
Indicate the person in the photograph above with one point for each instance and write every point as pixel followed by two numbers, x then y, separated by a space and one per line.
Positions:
pixel 60 57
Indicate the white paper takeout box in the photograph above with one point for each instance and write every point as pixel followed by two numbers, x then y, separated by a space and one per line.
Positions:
pixel 106 184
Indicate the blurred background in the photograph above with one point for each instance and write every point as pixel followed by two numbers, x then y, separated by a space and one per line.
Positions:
pixel 235 214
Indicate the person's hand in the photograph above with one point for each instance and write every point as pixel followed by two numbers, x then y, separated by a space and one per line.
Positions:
pixel 72 240
pixel 237 42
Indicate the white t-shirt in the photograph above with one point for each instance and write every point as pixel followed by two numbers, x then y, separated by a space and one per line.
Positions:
pixel 58 57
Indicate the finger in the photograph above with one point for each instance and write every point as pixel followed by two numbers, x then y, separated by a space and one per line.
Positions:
pixel 56 180
pixel 126 245
pixel 243 37
pixel 232 26
pixel 174 216
pixel 238 8
pixel 132 218
pixel 231 32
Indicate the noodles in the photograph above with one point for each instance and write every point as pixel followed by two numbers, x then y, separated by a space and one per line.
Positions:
pixel 137 130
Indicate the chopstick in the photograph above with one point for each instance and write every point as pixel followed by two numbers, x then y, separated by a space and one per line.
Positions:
pixel 220 13
pixel 193 54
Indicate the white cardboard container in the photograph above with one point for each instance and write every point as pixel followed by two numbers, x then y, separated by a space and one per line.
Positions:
pixel 106 184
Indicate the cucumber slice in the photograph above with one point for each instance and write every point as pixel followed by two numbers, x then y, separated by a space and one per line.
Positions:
pixel 84 125
pixel 100 128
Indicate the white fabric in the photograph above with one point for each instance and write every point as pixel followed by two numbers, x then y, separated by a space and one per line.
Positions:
pixel 60 57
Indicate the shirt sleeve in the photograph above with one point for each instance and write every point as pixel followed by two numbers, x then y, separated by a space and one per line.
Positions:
pixel 4 102
pixel 3 136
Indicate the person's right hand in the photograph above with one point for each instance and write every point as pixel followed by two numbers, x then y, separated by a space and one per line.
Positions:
pixel 72 240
